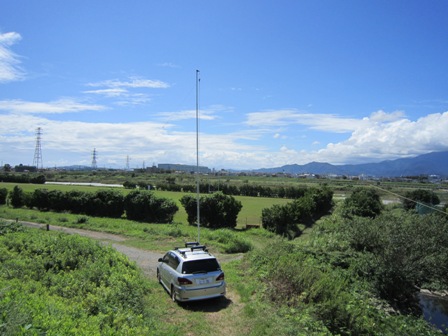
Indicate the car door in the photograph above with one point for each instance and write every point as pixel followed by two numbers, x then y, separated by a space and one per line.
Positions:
pixel 165 270
pixel 171 266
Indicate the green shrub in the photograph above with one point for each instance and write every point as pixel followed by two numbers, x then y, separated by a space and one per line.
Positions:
pixel 82 220
pixel 145 206
pixel 17 197
pixel 229 241
pixel 402 252
pixel 412 198
pixel 8 227
pixel 284 219
pixel 68 285
pixel 364 202
pixel 300 278
pixel 3 195
pixel 216 211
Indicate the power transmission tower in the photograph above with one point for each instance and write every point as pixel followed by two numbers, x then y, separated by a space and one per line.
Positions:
pixel 37 161
pixel 94 157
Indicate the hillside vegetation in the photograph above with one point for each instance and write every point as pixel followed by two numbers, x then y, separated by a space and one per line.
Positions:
pixel 54 284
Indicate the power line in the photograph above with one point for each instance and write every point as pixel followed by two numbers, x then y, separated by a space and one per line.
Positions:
pixel 411 200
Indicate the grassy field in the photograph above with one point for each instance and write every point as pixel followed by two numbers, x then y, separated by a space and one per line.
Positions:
pixel 246 309
pixel 250 214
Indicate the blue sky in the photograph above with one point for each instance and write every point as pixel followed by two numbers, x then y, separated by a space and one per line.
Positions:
pixel 282 82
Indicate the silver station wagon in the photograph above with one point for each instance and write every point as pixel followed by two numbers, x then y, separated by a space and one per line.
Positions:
pixel 191 273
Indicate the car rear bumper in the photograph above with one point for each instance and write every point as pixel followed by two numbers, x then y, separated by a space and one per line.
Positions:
pixel 184 293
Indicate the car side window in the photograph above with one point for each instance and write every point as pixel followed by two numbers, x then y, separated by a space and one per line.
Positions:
pixel 165 258
pixel 173 260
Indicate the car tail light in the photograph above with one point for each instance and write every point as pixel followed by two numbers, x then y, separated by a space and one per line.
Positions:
pixel 183 281
pixel 220 277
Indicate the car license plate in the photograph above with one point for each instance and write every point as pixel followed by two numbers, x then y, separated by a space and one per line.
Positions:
pixel 202 281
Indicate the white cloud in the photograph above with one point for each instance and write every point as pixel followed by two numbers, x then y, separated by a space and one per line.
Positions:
pixel 381 116
pixel 322 122
pixel 133 82
pixel 125 90
pixel 168 65
pixel 390 139
pixel 55 107
pixel 378 137
pixel 10 69
pixel 187 114
pixel 113 92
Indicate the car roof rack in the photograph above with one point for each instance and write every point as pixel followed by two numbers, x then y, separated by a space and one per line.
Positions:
pixel 191 247
pixel 199 247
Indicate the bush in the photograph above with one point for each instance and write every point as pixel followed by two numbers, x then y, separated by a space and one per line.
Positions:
pixel 216 211
pixel 69 285
pixel 145 206
pixel 364 202
pixel 401 252
pixel 300 280
pixel 280 219
pixel 3 195
pixel 412 198
pixel 284 219
pixel 17 197
pixel 8 227
pixel 229 241
pixel 105 203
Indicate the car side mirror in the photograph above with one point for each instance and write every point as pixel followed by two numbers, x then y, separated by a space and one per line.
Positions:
pixel 160 259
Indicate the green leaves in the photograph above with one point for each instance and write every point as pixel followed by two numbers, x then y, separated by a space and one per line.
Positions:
pixel 145 206
pixel 363 202
pixel 68 285
pixel 284 219
pixel 216 211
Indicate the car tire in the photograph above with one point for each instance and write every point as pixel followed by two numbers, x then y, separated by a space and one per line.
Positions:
pixel 158 277
pixel 173 294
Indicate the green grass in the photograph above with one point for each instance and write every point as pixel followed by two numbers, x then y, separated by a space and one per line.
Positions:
pixel 157 237
pixel 250 214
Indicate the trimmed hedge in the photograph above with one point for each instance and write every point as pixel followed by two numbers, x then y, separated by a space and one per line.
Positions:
pixel 137 205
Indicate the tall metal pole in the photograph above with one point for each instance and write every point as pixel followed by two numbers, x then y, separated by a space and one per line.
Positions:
pixel 197 155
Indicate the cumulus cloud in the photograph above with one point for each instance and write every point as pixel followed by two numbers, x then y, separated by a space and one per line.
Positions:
pixel 377 137
pixel 380 136
pixel 10 69
pixel 389 139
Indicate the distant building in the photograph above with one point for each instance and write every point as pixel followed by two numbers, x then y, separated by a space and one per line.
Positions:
pixel 183 168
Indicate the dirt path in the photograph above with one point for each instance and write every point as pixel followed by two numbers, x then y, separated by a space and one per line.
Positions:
pixel 224 315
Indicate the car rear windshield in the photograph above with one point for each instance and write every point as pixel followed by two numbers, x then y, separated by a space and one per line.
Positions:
pixel 200 266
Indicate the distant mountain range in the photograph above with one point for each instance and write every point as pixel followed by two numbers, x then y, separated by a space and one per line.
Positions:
pixel 435 163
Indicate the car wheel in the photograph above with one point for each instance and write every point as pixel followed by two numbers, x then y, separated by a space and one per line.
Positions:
pixel 158 277
pixel 173 294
